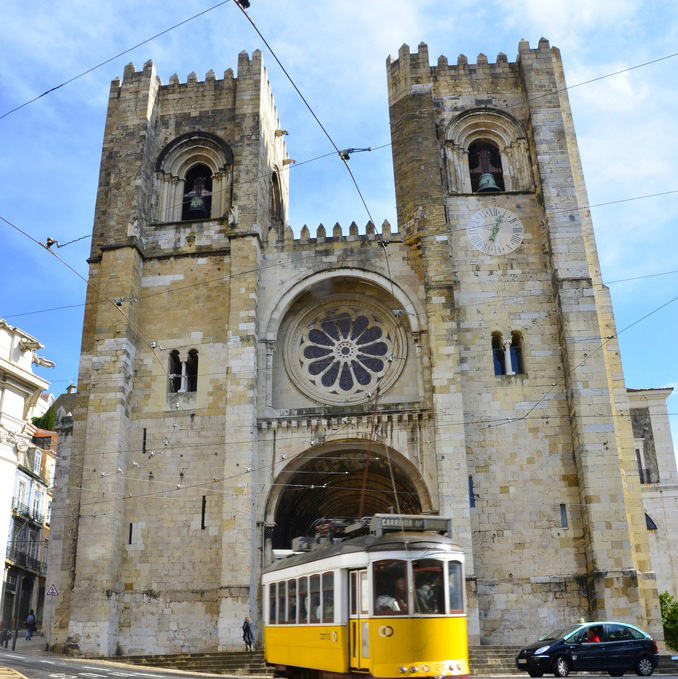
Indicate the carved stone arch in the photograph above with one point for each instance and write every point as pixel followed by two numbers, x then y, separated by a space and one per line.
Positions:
pixel 493 126
pixel 332 337
pixel 175 161
pixel 292 507
pixel 405 296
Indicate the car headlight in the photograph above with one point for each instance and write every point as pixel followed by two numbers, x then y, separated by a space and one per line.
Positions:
pixel 541 649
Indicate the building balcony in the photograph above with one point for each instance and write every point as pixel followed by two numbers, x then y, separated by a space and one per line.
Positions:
pixel 21 558
pixel 21 509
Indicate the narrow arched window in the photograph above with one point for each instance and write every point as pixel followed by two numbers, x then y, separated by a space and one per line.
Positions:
pixel 192 370
pixel 174 372
pixel 197 202
pixel 276 200
pixel 485 167
pixel 498 354
pixel 516 354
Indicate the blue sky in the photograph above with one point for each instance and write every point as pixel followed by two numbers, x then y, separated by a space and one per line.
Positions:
pixel 626 125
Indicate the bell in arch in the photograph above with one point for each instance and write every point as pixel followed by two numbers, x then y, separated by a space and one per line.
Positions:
pixel 487 183
pixel 200 202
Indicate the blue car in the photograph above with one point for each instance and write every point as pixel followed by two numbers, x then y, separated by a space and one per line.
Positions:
pixel 612 647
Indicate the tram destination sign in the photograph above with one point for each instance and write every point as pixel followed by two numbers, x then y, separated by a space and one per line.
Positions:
pixel 388 523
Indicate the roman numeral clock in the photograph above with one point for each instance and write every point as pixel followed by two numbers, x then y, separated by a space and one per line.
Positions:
pixel 495 231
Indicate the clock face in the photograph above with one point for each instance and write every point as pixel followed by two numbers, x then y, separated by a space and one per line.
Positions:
pixel 495 231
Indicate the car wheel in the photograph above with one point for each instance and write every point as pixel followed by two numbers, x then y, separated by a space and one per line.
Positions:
pixel 644 667
pixel 615 673
pixel 534 673
pixel 561 667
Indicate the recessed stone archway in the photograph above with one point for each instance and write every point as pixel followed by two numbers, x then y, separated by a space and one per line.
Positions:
pixel 328 481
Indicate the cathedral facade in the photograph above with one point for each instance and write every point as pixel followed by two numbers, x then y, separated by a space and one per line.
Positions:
pixel 239 382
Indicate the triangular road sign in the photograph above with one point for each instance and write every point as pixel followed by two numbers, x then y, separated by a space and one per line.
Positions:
pixel 52 591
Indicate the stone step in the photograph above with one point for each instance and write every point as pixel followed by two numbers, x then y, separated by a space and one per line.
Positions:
pixel 484 660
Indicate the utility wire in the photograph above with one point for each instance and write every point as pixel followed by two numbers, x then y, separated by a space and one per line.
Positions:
pixel 103 63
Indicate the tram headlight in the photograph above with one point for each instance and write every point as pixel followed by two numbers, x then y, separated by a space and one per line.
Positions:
pixel 425 668
pixel 402 670
pixel 414 669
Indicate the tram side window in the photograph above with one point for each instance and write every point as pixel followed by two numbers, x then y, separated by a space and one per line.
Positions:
pixel 390 587
pixel 303 601
pixel 282 608
pixel 292 597
pixel 315 598
pixel 429 586
pixel 272 598
pixel 455 584
pixel 328 597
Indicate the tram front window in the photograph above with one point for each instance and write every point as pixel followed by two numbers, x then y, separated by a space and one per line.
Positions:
pixel 390 587
pixel 455 581
pixel 429 586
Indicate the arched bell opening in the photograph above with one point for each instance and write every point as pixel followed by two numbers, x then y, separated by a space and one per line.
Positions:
pixel 330 484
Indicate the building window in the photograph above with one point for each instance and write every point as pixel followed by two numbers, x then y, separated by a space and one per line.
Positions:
pixel 485 167
pixel 197 202
pixel 471 495
pixel 507 356
pixel 183 374
pixel 643 473
pixel 37 461
pixel 21 492
pixel 563 516
pixel 649 523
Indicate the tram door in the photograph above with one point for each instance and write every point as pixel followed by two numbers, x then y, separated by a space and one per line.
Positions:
pixel 358 632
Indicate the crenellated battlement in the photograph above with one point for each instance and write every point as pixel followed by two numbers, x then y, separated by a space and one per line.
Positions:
pixel 412 72
pixel 337 234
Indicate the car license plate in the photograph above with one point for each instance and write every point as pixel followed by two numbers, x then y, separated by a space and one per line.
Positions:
pixel 522 661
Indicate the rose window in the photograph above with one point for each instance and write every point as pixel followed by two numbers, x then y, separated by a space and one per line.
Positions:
pixel 342 352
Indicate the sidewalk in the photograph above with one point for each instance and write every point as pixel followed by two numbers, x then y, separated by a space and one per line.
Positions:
pixel 36 646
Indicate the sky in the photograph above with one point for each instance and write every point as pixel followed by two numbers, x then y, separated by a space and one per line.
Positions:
pixel 626 124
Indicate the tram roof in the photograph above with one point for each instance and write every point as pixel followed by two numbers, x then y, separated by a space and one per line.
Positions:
pixel 369 543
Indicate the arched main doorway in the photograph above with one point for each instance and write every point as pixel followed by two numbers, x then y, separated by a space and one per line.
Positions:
pixel 330 482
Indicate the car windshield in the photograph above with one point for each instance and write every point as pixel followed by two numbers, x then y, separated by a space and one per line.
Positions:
pixel 562 633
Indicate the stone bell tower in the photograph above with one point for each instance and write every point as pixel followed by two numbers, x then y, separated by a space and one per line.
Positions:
pixel 492 201
pixel 189 187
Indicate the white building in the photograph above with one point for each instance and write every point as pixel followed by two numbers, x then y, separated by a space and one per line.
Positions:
pixel 20 391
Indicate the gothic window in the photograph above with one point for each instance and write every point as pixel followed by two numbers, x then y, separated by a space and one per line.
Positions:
pixel 498 354
pixel 277 213
pixel 183 374
pixel 486 151
pixel 339 352
pixel 194 178
pixel 485 167
pixel 507 355
pixel 192 370
pixel 174 371
pixel 649 523
pixel 197 202
pixel 516 354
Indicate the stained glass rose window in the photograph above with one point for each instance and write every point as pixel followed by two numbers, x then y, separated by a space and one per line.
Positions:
pixel 342 351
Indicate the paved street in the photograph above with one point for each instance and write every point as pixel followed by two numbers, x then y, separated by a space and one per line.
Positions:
pixel 32 660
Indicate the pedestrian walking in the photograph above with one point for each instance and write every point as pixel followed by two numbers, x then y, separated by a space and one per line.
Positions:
pixel 248 634
pixel 30 625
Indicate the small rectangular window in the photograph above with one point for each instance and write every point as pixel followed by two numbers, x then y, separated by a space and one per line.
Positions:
pixel 328 597
pixel 303 601
pixel 315 599
pixel 143 442
pixel 272 599
pixel 292 598
pixel 471 495
pixel 354 593
pixel 282 602
pixel 563 516
pixel 131 528
pixel 204 507
pixel 455 587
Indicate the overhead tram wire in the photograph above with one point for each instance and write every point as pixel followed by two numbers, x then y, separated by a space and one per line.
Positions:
pixel 107 61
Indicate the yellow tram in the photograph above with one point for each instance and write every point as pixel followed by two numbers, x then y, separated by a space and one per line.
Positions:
pixel 386 603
